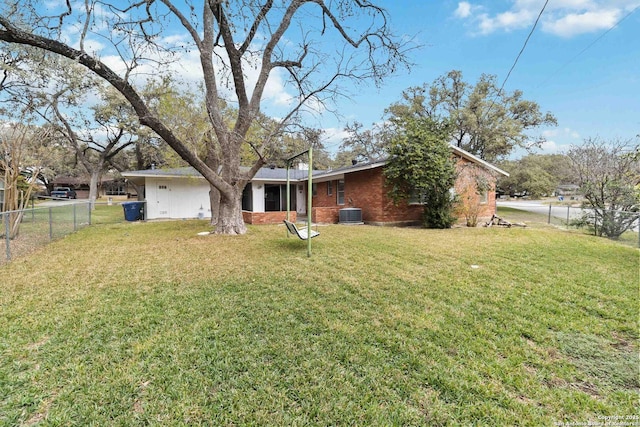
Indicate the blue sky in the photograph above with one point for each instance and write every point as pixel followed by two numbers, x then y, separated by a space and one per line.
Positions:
pixel 578 64
pixel 595 93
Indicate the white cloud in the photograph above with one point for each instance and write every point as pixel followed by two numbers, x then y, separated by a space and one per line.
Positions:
pixel 181 59
pixel 507 21
pixel 463 10
pixel 564 132
pixel 558 140
pixel 572 133
pixel 580 23
pixel 564 18
pixel 186 66
pixel 275 90
pixel 549 146
pixel 554 146
pixel 332 137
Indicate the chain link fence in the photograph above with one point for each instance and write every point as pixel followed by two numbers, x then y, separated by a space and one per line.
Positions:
pixel 573 217
pixel 600 224
pixel 23 231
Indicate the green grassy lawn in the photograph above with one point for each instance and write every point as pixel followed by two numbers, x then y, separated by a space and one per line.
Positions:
pixel 149 323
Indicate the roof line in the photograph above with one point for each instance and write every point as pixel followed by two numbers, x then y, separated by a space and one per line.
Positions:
pixel 317 174
pixel 469 156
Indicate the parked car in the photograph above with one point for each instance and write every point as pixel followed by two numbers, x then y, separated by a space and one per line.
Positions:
pixel 63 193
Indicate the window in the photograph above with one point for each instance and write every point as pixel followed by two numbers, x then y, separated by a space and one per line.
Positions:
pixel 484 197
pixel 420 197
pixel 314 189
pixel 275 197
pixel 329 188
pixel 114 188
pixel 417 198
pixel 341 191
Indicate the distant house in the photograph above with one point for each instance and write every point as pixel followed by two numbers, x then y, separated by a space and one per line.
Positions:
pixel 360 189
pixel 110 185
pixel 567 190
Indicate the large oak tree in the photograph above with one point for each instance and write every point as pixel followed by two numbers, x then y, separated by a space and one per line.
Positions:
pixel 315 45
pixel 487 121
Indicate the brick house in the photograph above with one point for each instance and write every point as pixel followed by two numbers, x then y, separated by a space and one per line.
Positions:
pixel 183 193
pixel 109 185
pixel 363 186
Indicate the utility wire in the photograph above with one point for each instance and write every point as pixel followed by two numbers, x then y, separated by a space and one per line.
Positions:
pixel 523 46
pixel 535 24
pixel 588 46
pixel 493 101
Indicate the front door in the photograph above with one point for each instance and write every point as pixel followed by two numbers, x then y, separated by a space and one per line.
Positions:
pixel 301 199
pixel 272 198
pixel 163 199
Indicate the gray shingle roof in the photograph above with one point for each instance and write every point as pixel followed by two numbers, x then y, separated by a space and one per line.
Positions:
pixel 280 174
pixel 264 174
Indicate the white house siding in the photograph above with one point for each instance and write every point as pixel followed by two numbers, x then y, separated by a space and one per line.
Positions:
pixel 177 198
pixel 172 194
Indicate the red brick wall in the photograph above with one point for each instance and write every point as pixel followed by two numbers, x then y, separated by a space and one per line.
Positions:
pixel 267 217
pixel 322 199
pixel 467 173
pixel 364 190
pixel 325 215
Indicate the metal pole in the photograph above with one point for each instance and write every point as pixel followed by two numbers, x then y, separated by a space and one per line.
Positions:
pixel 288 195
pixel 309 196
pixel 50 224
pixel 6 235
pixel 549 218
pixel 75 227
pixel 90 217
pixel 568 207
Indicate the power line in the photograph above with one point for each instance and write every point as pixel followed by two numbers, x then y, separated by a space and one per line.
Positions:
pixel 535 24
pixel 588 46
pixel 523 46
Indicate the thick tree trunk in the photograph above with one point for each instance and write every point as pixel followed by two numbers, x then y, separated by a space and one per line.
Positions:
pixel 214 203
pixel 230 220
pixel 139 191
pixel 213 161
pixel 93 188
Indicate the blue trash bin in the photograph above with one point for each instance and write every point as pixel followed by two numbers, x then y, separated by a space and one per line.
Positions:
pixel 133 211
